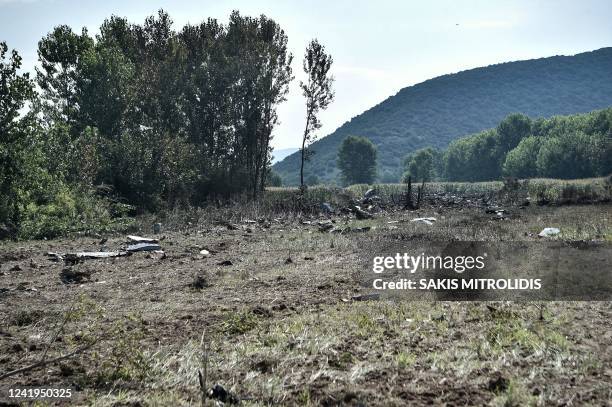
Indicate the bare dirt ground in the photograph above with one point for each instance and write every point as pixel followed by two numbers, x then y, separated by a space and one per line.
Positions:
pixel 269 316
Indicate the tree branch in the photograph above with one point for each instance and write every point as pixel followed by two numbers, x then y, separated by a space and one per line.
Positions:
pixel 46 362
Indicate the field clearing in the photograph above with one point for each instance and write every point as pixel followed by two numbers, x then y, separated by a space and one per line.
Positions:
pixel 551 190
pixel 269 316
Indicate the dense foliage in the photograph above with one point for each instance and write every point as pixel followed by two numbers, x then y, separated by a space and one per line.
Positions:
pixel 357 160
pixel 564 147
pixel 178 114
pixel 424 164
pixel 15 132
pixel 437 111
pixel 159 117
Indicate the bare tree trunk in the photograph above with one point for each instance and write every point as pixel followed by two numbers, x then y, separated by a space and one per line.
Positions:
pixel 303 148
pixel 408 197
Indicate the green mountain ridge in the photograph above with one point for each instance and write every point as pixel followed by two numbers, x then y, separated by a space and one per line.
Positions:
pixel 439 110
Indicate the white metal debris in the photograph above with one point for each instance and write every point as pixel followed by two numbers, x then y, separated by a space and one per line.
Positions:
pixel 548 232
pixel 428 221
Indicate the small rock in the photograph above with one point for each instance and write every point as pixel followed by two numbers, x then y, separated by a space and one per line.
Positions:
pixel 70 275
pixel 157 228
pixel 66 370
pixel 498 383
pixel 218 392
pixel 16 267
pixel 200 282
pixel 262 311
pixel 204 252
pixel 366 297
pixel 225 263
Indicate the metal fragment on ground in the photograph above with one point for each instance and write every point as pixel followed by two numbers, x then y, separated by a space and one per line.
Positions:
pixel 140 239
pixel 548 232
pixel 93 255
pixel 428 221
pixel 143 247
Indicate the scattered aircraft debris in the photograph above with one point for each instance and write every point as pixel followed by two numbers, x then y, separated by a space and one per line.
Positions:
pixel 549 232
pixel 143 247
pixel 369 193
pixel 427 221
pixel 361 214
pixel 139 239
pixel 76 257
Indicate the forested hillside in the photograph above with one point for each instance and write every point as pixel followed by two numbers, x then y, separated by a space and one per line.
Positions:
pixel 437 111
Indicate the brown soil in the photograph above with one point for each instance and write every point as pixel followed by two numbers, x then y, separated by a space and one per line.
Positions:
pixel 269 313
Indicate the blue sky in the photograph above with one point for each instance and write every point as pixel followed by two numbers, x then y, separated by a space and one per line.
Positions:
pixel 378 46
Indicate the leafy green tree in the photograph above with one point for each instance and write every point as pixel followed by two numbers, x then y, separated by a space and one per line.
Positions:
pixel 357 160
pixel 573 146
pixel 273 179
pixel 521 161
pixel 423 165
pixel 511 131
pixel 266 63
pixel 473 158
pixel 568 156
pixel 318 93
pixel 16 157
pixel 106 90
pixel 60 54
pixel 210 90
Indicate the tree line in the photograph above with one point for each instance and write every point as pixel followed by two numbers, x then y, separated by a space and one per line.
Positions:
pixel 564 147
pixel 158 117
